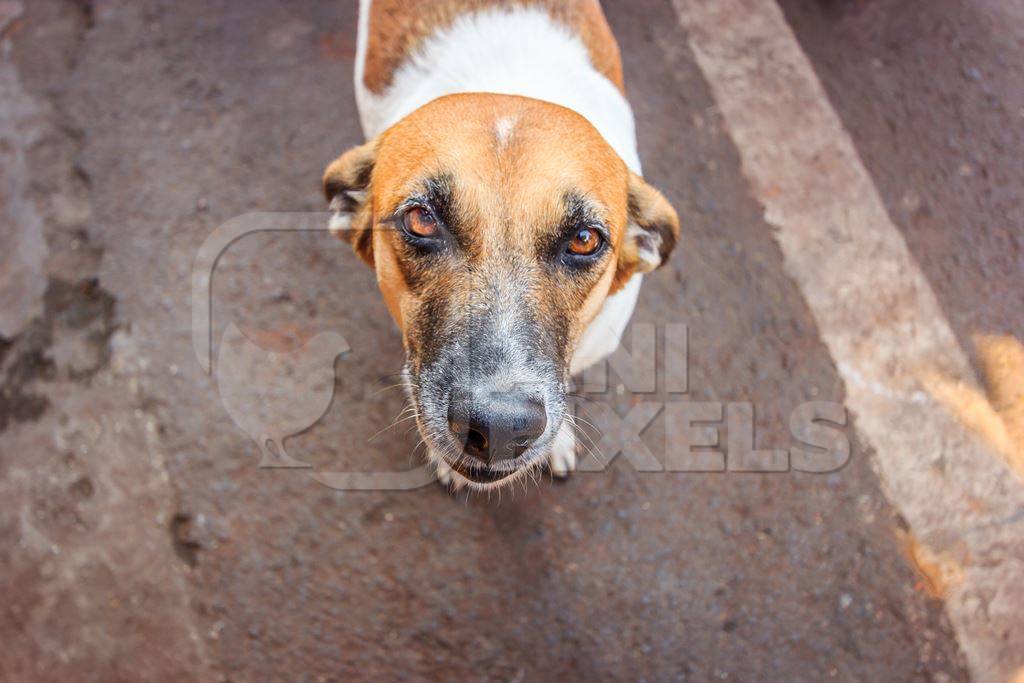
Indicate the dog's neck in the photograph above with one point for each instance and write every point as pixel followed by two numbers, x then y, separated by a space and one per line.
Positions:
pixel 520 51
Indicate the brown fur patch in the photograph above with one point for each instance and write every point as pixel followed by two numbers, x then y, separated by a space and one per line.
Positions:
pixel 398 27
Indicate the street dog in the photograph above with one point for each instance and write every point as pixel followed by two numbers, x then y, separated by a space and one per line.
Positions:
pixel 500 201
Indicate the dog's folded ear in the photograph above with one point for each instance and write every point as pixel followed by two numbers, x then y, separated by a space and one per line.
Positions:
pixel 347 187
pixel 653 226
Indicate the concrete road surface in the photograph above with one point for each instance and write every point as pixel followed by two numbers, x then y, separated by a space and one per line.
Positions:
pixel 140 541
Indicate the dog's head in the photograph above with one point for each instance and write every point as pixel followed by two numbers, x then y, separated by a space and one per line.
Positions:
pixel 497 226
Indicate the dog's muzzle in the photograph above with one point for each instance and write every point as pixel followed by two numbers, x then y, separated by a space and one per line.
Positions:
pixel 494 428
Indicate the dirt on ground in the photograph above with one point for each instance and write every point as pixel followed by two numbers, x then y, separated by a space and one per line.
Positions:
pixel 140 541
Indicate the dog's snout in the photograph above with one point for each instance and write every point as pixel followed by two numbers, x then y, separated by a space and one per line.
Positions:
pixel 496 426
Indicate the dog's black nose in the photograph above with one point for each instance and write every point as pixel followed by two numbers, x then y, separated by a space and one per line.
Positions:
pixel 495 426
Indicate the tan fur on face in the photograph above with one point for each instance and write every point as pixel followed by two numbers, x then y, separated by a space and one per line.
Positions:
pixel 398 27
pixel 511 160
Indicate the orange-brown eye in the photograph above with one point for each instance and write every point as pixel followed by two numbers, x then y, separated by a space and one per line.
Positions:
pixel 420 222
pixel 586 242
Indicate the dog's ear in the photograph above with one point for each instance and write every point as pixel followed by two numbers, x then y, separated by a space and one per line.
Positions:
pixel 653 227
pixel 347 187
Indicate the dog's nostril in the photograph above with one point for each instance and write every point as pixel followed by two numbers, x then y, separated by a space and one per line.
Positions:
pixel 476 443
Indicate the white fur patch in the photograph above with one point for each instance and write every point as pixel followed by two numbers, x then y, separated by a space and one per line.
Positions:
pixel 604 334
pixel 503 129
pixel 444 472
pixel 562 459
pixel 340 220
pixel 648 246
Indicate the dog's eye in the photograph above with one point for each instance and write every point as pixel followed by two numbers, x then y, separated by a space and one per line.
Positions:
pixel 586 242
pixel 420 222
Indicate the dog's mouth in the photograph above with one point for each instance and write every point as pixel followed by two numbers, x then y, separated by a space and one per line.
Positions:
pixel 481 474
